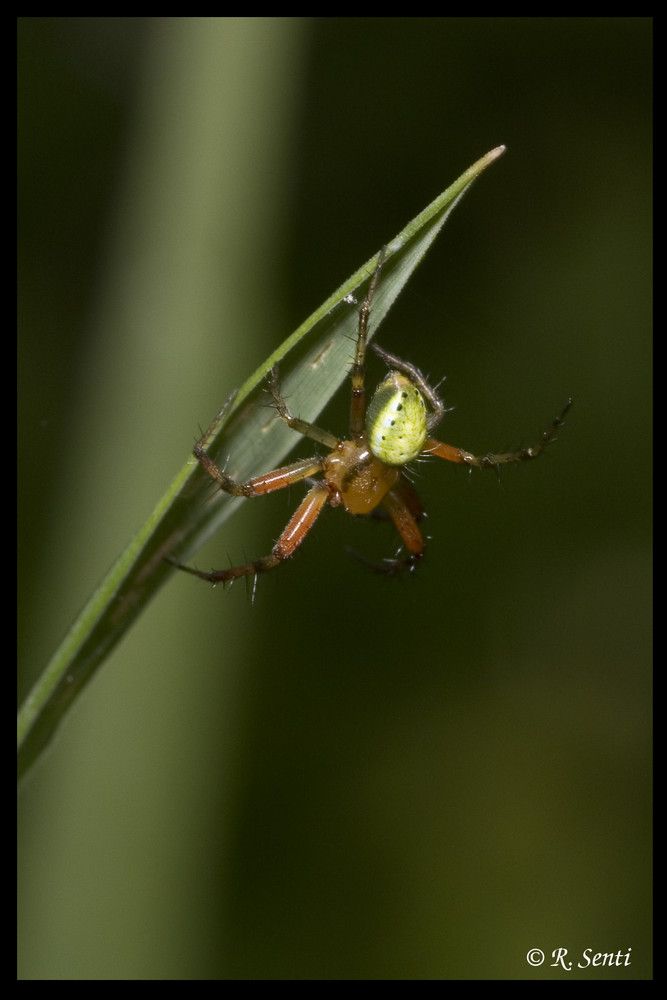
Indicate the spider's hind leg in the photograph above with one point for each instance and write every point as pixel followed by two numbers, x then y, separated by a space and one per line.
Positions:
pixel 403 506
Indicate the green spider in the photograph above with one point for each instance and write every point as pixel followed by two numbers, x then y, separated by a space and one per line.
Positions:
pixel 365 472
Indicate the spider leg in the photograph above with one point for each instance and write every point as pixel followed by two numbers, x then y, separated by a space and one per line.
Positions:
pixel 301 426
pixel 414 374
pixel 215 423
pixel 308 510
pixel 358 403
pixel 279 478
pixel 491 460
pixel 297 528
pixel 294 533
pixel 404 507
pixel 260 485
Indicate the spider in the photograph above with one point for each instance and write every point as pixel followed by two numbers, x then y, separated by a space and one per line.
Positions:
pixel 364 473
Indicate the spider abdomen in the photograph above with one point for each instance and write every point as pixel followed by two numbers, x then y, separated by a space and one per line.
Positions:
pixel 396 421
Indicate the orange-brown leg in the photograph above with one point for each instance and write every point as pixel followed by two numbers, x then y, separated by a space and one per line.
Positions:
pixel 404 507
pixel 298 527
pixel 451 454
pixel 302 521
pixel 278 478
pixel 398 503
pixel 260 485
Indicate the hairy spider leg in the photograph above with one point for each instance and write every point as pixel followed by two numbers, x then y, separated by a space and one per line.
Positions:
pixel 403 505
pixel 358 403
pixel 296 530
pixel 307 512
pixel 405 509
pixel 301 426
pixel 414 374
pixel 492 460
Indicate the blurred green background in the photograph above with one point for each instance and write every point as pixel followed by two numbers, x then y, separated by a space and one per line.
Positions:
pixel 353 777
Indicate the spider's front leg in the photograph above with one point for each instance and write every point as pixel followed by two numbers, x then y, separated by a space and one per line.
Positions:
pixel 279 478
pixel 299 524
pixel 259 485
pixel 301 426
pixel 492 460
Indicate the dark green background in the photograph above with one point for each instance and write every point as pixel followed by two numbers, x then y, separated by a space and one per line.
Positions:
pixel 353 777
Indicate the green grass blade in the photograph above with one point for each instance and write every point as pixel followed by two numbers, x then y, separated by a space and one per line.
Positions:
pixel 248 438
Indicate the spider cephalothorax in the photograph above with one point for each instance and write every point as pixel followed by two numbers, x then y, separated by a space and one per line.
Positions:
pixel 365 472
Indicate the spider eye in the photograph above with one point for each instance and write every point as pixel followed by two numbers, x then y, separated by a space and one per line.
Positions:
pixel 396 421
